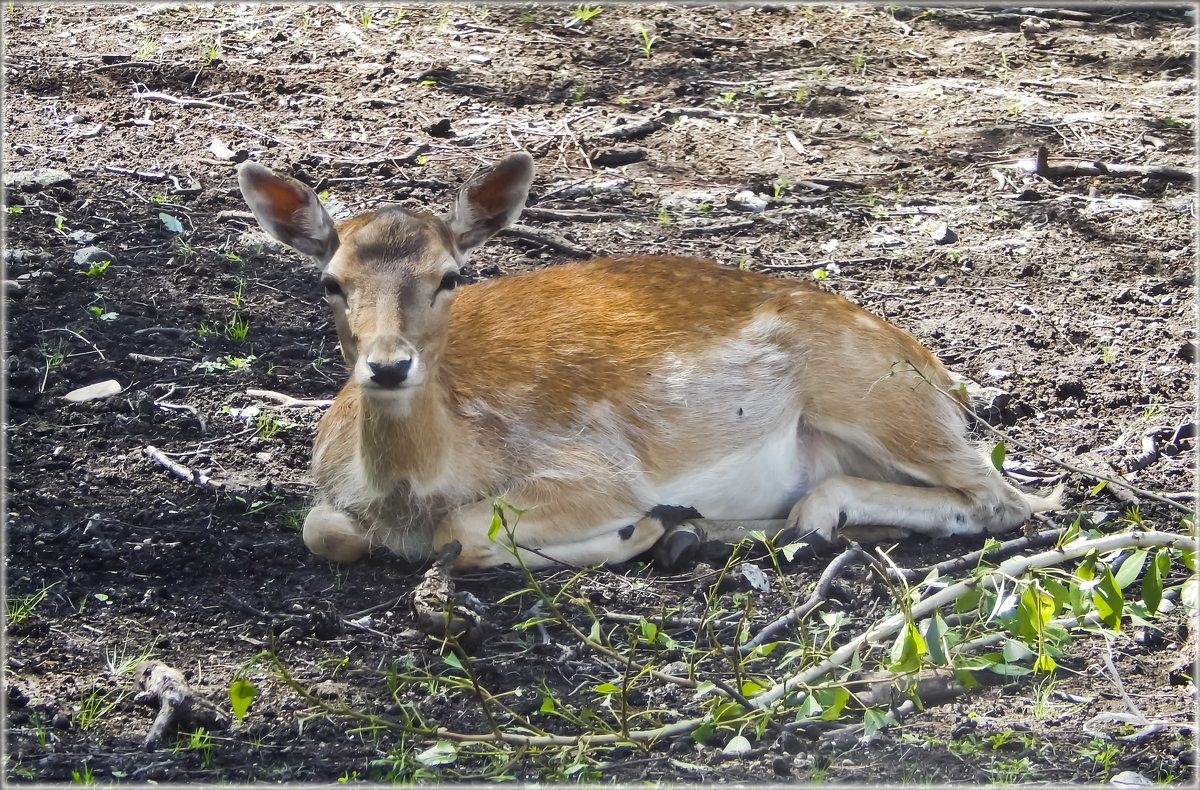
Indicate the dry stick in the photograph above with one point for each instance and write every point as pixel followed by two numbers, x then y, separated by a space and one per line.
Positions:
pixel 548 239
pixel 287 401
pixel 179 470
pixel 1006 549
pixel 1080 470
pixel 156 96
pixel 1013 568
pixel 1093 168
pixel 819 595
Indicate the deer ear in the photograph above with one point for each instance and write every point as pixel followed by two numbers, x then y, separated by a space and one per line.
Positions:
pixel 289 211
pixel 490 201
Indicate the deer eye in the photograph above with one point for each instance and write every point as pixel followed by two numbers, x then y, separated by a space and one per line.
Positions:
pixel 451 281
pixel 331 286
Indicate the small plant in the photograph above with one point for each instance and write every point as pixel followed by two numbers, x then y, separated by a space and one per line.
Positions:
pixel 96 705
pixel 100 314
pixel 94 268
pixel 237 327
pixel 269 424
pixel 182 246
pixel 148 48
pixel 859 62
pixel 365 18
pixel 226 363
pixel 200 741
pixel 121 661
pixel 19 607
pixel 212 51
pixel 1108 353
pixel 83 776
pixel 648 39
pixel 14 209
pixel 780 186
pixel 585 12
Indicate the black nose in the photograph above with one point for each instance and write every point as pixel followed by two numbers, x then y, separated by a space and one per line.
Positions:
pixel 389 374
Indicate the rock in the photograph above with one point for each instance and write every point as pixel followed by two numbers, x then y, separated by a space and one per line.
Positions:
pixel 748 201
pixel 943 235
pixel 1130 778
pixel 38 179
pixel 92 255
pixel 97 391
pixel 81 236
pixel 257 241
pixel 618 155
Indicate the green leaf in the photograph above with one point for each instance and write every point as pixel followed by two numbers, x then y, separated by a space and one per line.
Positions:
pixel 808 708
pixel 548 705
pixel 170 223
pixel 1096 489
pixel 832 700
pixel 998 453
pixel 441 753
pixel 750 688
pixel 875 720
pixel 1044 663
pixel 968 601
pixel 594 632
pixel 1109 601
pixel 608 688
pixel 702 733
pixel 241 694
pixel 1035 609
pixel 1014 650
pixel 496 525
pixel 935 633
pixel 1130 569
pixel 1160 565
pixel 453 660
pixel 908 650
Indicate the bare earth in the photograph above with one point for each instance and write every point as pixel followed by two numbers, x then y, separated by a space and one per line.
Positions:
pixel 885 154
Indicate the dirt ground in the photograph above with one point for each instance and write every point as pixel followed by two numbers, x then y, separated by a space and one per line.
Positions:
pixel 884 153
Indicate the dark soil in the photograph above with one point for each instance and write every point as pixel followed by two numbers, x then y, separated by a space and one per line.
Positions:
pixel 887 149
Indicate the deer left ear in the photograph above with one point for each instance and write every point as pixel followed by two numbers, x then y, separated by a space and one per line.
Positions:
pixel 289 211
pixel 490 201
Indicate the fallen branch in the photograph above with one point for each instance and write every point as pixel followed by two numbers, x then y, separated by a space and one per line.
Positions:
pixel 569 215
pixel 547 239
pixel 287 401
pixel 1013 568
pixel 1093 168
pixel 184 102
pixel 179 705
pixel 179 470
pixel 819 595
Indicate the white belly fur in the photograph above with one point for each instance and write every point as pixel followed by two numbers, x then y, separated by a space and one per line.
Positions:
pixel 761 480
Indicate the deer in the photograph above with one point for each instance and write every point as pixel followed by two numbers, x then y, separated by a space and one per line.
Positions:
pixel 611 402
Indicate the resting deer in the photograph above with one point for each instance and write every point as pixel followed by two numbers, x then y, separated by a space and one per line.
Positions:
pixel 590 394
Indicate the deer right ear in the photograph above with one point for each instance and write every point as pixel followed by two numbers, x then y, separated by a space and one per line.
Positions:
pixel 289 211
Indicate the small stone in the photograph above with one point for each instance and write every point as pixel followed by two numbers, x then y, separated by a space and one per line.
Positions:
pixel 257 241
pixel 782 766
pixel 92 255
pixel 943 235
pixel 1028 195
pixel 38 179
pixel 97 391
pixel 61 721
pixel 81 236
pixel 941 279
pixel 748 201
pixel 1130 779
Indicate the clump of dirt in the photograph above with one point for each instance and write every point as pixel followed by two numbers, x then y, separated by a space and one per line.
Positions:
pixel 886 154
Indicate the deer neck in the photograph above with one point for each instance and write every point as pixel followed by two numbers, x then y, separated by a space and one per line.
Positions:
pixel 405 440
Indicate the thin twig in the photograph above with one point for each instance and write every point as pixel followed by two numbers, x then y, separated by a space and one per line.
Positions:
pixel 287 401
pixel 179 470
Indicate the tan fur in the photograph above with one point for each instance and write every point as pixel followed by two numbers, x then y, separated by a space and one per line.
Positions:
pixel 587 393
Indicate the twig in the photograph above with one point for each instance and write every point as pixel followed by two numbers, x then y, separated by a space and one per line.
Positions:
pixel 548 239
pixel 185 102
pixel 1006 549
pixel 567 215
pixel 287 401
pixel 178 704
pixel 1093 168
pixel 76 334
pixel 819 595
pixel 179 470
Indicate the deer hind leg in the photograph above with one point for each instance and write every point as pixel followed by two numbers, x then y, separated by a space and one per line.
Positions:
pixel 877 510
pixel 335 535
